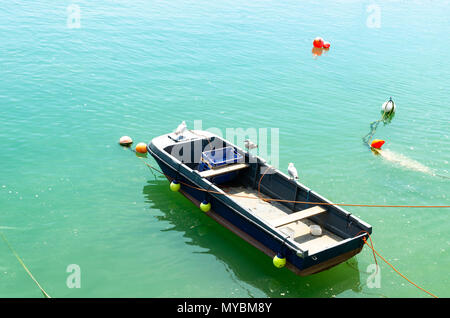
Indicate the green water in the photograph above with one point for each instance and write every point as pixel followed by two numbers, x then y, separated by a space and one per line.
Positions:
pixel 70 195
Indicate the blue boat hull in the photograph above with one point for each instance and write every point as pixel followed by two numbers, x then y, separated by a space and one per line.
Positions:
pixel 228 215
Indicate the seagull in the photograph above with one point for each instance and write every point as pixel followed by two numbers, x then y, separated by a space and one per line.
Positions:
pixel 181 128
pixel 249 144
pixel 292 171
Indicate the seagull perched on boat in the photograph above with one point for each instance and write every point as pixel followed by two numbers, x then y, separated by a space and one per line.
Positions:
pixel 180 129
pixel 292 171
pixel 250 144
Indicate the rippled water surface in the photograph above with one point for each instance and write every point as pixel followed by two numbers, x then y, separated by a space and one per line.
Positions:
pixel 70 195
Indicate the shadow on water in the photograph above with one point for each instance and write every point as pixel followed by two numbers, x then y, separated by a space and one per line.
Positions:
pixel 247 263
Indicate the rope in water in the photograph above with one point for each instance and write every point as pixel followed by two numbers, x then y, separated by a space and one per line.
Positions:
pixel 374 127
pixel 390 265
pixel 375 253
pixel 24 266
pixel 293 201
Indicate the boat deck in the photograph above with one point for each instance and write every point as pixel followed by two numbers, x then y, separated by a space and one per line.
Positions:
pixel 293 223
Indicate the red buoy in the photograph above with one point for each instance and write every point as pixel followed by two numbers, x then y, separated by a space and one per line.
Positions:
pixel 318 42
pixel 377 143
pixel 326 45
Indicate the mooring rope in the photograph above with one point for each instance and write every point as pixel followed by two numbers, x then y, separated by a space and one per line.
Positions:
pixel 374 127
pixel 24 266
pixel 390 265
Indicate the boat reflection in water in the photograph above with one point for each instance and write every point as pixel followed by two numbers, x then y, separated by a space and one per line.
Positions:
pixel 239 256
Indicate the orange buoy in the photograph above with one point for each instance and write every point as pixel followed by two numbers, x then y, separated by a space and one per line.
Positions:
pixel 141 147
pixel 318 42
pixel 125 141
pixel 377 143
pixel 326 45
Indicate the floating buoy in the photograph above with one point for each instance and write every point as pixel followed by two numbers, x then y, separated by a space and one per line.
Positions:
pixel 125 141
pixel 205 206
pixel 141 147
pixel 279 261
pixel 175 186
pixel 326 45
pixel 315 229
pixel 388 106
pixel 377 143
pixel 318 42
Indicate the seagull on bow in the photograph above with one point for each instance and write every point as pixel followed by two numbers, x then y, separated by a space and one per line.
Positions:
pixel 292 171
pixel 249 144
pixel 180 129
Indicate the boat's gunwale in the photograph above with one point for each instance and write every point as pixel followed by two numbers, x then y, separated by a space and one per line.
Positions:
pixel 222 196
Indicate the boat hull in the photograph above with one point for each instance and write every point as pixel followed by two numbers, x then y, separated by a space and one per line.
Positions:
pixel 249 239
pixel 228 216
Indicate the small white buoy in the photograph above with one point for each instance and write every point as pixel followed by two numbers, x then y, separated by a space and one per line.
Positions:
pixel 388 106
pixel 125 141
pixel 316 230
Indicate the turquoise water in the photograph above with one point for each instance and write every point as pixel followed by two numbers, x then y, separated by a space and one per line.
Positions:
pixel 70 195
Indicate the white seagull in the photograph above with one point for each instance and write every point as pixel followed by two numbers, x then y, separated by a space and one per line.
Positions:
pixel 181 128
pixel 292 171
pixel 249 144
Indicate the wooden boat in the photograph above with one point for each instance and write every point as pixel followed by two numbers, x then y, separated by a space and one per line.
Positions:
pixel 259 205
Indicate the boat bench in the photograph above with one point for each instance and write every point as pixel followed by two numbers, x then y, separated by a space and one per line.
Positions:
pixel 297 216
pixel 223 170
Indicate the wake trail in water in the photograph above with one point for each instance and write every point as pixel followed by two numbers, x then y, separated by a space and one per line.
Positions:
pixel 8 228
pixel 407 163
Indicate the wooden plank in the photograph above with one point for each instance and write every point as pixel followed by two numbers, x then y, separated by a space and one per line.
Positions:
pixel 297 216
pixel 315 244
pixel 219 171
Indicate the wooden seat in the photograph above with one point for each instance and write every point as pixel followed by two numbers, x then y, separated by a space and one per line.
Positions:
pixel 222 170
pixel 297 216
